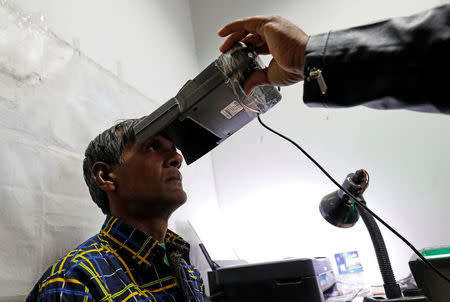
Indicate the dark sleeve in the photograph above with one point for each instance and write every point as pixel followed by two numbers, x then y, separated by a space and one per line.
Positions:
pixel 397 63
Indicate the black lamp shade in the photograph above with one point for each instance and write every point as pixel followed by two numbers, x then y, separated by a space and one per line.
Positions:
pixel 338 211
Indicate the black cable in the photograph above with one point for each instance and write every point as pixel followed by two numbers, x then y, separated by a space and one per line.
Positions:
pixel 357 201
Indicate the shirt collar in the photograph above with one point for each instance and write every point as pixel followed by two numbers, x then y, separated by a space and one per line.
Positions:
pixel 138 247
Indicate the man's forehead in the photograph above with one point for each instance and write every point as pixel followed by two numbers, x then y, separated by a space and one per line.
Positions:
pixel 159 136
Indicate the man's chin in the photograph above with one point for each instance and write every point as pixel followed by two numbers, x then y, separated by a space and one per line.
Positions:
pixel 184 199
pixel 179 198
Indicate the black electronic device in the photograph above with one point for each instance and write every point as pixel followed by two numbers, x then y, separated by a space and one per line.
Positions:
pixel 433 286
pixel 212 106
pixel 294 280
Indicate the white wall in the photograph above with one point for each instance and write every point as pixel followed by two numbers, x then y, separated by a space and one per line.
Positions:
pixel 149 43
pixel 133 56
pixel 269 192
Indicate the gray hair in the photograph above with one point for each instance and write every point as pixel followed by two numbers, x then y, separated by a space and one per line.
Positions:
pixel 107 147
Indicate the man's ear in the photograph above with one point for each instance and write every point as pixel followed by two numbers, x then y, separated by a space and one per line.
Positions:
pixel 102 175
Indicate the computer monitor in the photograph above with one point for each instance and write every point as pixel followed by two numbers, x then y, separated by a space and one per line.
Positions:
pixel 434 287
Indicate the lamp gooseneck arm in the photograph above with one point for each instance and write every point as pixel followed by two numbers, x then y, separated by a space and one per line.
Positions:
pixel 391 287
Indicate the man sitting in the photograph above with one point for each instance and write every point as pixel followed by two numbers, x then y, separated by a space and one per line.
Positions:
pixel 134 257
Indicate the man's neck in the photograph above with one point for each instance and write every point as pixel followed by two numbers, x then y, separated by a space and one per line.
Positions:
pixel 156 227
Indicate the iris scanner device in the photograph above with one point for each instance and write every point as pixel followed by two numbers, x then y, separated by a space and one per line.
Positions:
pixel 211 107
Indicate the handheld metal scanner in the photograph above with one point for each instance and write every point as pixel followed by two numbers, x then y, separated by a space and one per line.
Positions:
pixel 211 107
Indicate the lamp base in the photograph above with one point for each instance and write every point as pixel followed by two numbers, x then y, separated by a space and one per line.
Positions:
pixel 371 298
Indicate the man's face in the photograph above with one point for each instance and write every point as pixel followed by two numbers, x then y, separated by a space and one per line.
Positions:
pixel 148 179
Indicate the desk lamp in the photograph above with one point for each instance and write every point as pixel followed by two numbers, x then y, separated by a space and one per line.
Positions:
pixel 338 209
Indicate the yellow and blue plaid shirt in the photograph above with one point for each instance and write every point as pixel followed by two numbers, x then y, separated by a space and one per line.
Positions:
pixel 122 263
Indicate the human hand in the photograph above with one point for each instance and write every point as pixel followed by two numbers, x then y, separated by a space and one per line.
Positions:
pixel 270 35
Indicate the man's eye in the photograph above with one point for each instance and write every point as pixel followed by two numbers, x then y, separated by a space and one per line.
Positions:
pixel 154 145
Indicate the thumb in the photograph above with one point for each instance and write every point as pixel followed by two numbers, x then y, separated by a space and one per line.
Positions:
pixel 257 78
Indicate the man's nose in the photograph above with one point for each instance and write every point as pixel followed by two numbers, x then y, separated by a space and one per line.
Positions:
pixel 174 159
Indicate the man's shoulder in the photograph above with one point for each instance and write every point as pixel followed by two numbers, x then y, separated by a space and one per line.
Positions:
pixel 75 268
pixel 91 249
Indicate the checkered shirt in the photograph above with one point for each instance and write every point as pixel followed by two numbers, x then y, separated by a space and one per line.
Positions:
pixel 122 263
